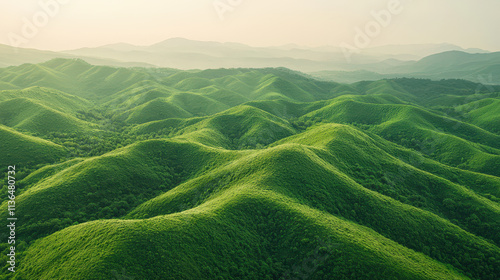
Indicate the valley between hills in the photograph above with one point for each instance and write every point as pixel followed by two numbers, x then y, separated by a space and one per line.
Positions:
pixel 248 173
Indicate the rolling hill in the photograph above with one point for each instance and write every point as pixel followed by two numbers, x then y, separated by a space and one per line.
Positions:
pixel 27 150
pixel 54 99
pixel 431 61
pixel 246 173
pixel 27 115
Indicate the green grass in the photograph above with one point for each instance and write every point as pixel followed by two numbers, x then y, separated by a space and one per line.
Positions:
pixel 247 253
pixel 51 98
pixel 243 126
pixel 27 151
pixel 248 174
pixel 157 109
pixel 7 86
pixel 29 115
pixel 138 94
pixel 279 170
pixel 230 203
pixel 484 113
pixel 450 141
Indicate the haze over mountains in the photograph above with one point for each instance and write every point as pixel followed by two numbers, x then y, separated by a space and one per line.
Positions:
pixel 434 61
pixel 173 52
pixel 249 173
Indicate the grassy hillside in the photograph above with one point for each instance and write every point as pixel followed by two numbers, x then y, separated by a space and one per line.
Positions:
pixel 51 98
pixel 248 253
pixel 18 148
pixel 73 76
pixel 260 177
pixel 240 127
pixel 483 113
pixel 248 174
pixel 28 115
pixel 437 136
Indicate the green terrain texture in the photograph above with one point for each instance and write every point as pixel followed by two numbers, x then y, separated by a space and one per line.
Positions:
pixel 157 173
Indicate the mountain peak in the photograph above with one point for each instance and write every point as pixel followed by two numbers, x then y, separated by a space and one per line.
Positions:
pixel 65 61
pixel 121 46
pixel 177 41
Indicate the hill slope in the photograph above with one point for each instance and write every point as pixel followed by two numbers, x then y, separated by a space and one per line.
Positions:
pixel 27 151
pixel 248 174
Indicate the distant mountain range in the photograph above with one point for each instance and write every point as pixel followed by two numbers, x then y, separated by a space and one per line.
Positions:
pixel 435 61
pixel 483 68
pixel 11 56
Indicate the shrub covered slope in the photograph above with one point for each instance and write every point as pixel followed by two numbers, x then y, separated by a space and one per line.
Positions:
pixel 132 173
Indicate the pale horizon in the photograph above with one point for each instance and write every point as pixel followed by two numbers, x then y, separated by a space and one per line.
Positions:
pixel 263 46
pixel 270 46
pixel 258 23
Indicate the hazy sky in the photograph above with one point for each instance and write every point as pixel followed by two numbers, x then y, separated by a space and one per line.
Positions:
pixel 90 23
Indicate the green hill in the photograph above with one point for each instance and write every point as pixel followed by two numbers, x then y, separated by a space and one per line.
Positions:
pixel 74 76
pixel 168 238
pixel 248 174
pixel 27 151
pixel 138 94
pixel 239 127
pixel 435 135
pixel 157 109
pixel 27 115
pixel 51 98
pixel 484 113
pixel 227 193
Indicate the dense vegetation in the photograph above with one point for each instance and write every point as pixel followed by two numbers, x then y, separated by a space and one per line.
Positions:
pixel 133 173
